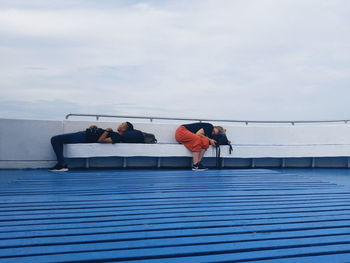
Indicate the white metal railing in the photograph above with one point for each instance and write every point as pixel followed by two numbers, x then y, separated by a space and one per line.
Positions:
pixel 98 116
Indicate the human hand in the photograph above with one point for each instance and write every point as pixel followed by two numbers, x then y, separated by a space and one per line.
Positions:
pixel 212 142
pixel 109 129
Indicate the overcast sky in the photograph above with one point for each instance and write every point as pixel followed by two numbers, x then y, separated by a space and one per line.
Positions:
pixel 234 59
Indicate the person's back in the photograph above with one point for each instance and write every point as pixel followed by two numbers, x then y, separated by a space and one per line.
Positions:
pixel 195 127
pixel 132 136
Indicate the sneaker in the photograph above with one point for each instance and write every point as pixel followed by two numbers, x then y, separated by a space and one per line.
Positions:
pixel 202 167
pixel 59 168
pixel 198 167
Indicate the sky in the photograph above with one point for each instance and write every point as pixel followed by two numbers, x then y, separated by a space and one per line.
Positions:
pixel 217 59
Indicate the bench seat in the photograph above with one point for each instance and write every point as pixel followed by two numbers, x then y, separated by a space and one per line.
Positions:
pixel 89 150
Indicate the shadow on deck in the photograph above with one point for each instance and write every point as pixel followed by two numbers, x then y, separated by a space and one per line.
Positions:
pixel 173 216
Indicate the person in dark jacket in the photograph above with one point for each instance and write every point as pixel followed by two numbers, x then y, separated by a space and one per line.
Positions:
pixel 197 137
pixel 91 135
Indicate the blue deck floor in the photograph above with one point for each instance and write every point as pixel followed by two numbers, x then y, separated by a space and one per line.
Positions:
pixel 174 216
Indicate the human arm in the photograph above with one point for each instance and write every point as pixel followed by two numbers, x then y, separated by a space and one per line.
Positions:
pixel 201 133
pixel 212 142
pixel 104 137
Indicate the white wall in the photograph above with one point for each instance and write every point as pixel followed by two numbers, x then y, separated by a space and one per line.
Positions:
pixel 27 140
pixel 26 143
pixel 245 135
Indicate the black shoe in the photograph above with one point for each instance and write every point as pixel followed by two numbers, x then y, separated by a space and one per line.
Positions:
pixel 202 167
pixel 59 168
pixel 198 167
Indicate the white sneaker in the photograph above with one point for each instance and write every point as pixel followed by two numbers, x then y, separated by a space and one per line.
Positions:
pixel 59 168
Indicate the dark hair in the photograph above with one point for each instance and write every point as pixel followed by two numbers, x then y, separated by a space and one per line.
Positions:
pixel 129 126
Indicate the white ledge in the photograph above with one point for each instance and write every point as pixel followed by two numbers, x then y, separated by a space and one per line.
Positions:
pixel 87 150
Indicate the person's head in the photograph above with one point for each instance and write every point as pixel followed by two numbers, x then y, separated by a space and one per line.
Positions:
pixel 219 130
pixel 125 126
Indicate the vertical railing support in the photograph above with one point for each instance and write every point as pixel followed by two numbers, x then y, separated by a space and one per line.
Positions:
pixel 253 163
pixel 313 162
pixel 283 163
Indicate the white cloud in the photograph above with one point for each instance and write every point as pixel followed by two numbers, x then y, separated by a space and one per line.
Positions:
pixel 256 59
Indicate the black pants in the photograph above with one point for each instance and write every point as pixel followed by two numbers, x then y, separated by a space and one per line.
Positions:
pixel 58 141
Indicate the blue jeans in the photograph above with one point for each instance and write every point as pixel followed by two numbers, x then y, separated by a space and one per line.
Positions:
pixel 58 141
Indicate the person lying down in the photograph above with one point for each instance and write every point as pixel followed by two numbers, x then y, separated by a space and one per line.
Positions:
pixel 125 134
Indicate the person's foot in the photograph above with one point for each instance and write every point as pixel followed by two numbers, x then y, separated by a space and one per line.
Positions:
pixel 198 167
pixel 202 167
pixel 59 168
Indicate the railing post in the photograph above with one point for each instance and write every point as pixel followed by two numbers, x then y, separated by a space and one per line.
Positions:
pixel 253 163
pixel 283 163
pixel 313 162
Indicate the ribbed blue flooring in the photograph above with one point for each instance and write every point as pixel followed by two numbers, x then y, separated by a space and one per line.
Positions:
pixel 173 216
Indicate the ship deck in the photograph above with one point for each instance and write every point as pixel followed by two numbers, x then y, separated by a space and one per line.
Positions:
pixel 253 215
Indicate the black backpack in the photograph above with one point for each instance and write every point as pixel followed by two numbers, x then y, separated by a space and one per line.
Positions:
pixel 149 138
pixel 221 139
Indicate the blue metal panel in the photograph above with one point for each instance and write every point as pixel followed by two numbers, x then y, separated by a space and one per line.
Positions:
pixel 173 216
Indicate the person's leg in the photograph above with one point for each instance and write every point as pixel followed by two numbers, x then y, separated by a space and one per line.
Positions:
pixel 201 154
pixel 188 139
pixel 57 146
pixel 58 141
pixel 204 142
pixel 193 143
pixel 196 157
